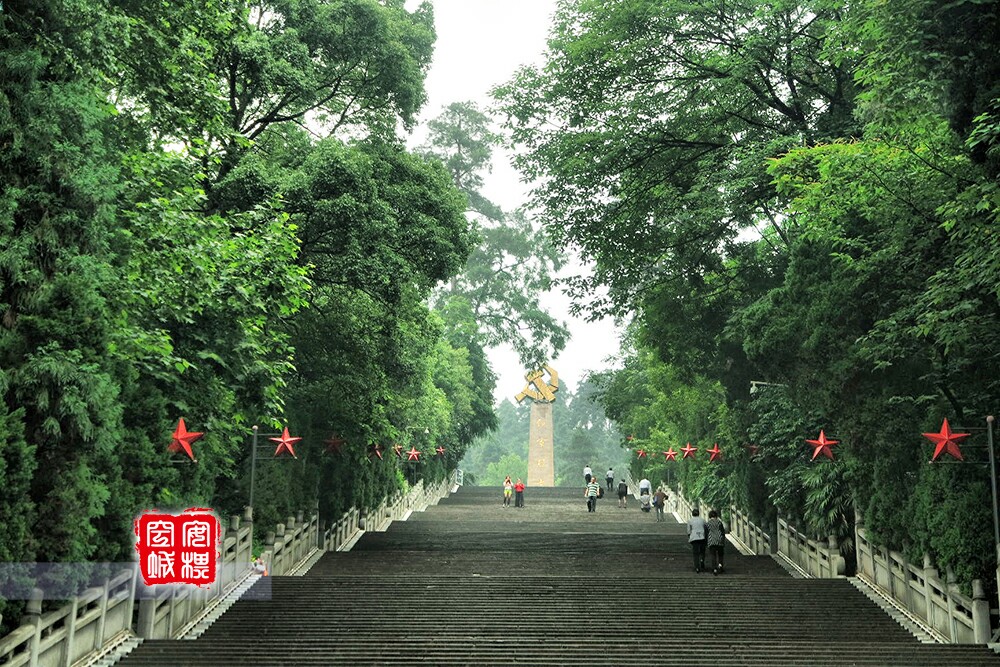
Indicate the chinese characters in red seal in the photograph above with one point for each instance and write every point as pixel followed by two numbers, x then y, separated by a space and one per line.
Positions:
pixel 178 548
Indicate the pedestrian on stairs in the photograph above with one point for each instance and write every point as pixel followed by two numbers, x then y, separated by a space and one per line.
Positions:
pixel 508 489
pixel 716 540
pixel 697 537
pixel 622 494
pixel 519 493
pixel 593 488
pixel 609 477
pixel 588 474
pixel 659 502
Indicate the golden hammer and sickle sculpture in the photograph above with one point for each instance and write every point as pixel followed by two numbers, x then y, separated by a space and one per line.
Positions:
pixel 537 388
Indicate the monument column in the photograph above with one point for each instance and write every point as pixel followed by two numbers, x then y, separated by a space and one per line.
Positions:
pixel 541 463
pixel 541 459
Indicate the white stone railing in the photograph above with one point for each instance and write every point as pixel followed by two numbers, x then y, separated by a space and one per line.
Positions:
pixel 817 559
pixel 918 589
pixel 62 637
pixel 749 534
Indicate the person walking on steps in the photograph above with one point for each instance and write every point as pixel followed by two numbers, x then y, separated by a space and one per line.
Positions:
pixel 716 540
pixel 591 494
pixel 622 494
pixel 519 493
pixel 609 477
pixel 587 474
pixel 508 490
pixel 659 502
pixel 697 536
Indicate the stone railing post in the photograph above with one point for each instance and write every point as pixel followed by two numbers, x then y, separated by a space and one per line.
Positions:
pixel 838 566
pixel 33 616
pixel 980 613
pixel 147 613
pixel 930 575
pixel 951 585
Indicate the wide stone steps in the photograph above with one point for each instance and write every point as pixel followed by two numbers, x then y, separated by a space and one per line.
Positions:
pixel 470 583
pixel 473 651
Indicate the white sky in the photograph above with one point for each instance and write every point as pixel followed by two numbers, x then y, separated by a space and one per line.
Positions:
pixel 480 43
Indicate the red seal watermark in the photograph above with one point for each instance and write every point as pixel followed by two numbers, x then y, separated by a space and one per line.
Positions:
pixel 178 548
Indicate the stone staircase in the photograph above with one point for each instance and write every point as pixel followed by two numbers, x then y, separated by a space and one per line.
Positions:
pixel 471 583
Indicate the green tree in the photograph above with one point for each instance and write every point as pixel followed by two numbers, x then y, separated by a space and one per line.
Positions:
pixel 513 264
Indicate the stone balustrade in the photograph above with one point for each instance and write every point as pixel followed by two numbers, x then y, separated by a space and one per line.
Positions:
pixel 753 538
pixel 102 616
pixel 919 589
pixel 97 616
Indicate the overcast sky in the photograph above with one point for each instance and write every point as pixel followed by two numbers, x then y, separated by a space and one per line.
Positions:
pixel 480 43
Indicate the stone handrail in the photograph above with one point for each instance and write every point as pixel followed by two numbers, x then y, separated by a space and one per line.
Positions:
pixel 166 611
pixel 819 560
pixel 65 635
pixel 749 534
pixel 919 590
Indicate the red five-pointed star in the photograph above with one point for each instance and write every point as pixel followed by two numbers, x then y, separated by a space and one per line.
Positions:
pixel 630 438
pixel 670 454
pixel 822 446
pixel 946 441
pixel 398 450
pixel 753 449
pixel 688 451
pixel 375 450
pixel 440 450
pixel 182 440
pixel 285 443
pixel 714 451
pixel 335 445
pixel 413 454
pixel 640 453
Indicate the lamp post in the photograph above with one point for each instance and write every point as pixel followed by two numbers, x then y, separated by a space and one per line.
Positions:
pixel 413 464
pixel 253 458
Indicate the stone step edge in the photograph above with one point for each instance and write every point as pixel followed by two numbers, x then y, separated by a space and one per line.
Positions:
pixel 128 642
pixel 315 555
pixel 790 566
pixel 108 653
pixel 211 614
pixel 910 622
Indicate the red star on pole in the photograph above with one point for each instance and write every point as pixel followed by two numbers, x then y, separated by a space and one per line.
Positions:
pixel 413 454
pixel 640 453
pixel 335 445
pixel 753 449
pixel 630 438
pixel 397 449
pixel 822 446
pixel 285 443
pixel 375 450
pixel 440 450
pixel 182 439
pixel 714 451
pixel 688 451
pixel 670 454
pixel 946 442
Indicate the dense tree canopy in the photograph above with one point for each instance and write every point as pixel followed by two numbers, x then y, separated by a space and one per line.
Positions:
pixel 796 193
pixel 206 212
